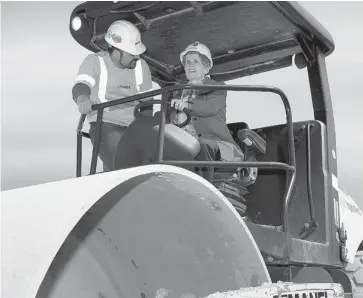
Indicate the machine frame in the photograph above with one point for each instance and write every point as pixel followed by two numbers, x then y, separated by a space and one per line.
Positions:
pixel 299 37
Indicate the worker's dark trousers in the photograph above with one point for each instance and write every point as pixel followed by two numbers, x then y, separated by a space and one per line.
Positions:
pixel 110 137
pixel 209 152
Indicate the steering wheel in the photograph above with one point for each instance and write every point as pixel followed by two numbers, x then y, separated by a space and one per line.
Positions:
pixel 141 104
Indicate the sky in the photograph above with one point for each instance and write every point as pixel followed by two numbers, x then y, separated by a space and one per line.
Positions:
pixel 40 59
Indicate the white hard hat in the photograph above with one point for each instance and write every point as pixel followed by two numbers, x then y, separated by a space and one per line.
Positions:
pixel 126 37
pixel 200 48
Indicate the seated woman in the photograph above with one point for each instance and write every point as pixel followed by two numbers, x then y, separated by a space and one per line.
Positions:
pixel 208 108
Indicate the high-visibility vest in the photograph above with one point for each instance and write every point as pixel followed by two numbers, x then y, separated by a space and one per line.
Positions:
pixel 108 82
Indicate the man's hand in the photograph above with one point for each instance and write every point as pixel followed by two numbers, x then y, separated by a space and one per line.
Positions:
pixel 84 104
pixel 179 104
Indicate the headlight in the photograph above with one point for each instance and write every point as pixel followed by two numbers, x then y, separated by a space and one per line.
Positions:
pixel 76 23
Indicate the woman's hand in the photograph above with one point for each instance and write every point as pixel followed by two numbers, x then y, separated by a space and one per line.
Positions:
pixel 179 104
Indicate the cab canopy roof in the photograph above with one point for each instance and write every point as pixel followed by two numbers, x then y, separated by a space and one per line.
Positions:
pixel 244 37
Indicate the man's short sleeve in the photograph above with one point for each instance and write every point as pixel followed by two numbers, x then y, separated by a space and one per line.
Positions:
pixel 88 71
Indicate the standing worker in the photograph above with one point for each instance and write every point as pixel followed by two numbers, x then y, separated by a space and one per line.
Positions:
pixel 108 75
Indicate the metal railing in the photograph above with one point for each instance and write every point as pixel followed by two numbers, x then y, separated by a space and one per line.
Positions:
pixel 289 168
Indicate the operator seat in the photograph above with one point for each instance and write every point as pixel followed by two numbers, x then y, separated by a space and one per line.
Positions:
pixel 139 144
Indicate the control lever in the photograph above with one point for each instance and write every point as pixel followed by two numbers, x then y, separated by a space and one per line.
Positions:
pixel 252 140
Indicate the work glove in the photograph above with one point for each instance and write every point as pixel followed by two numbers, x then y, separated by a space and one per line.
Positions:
pixel 84 105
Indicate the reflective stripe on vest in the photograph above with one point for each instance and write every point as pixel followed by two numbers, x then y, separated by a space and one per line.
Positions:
pixel 140 78
pixel 85 78
pixel 102 86
pixel 138 75
pixel 103 81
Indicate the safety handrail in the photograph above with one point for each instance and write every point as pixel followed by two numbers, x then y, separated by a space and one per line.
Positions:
pixel 290 168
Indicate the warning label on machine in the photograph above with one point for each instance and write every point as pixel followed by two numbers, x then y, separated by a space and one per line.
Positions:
pixel 286 290
pixel 304 294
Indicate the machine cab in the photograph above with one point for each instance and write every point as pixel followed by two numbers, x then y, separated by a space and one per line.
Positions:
pixel 293 206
